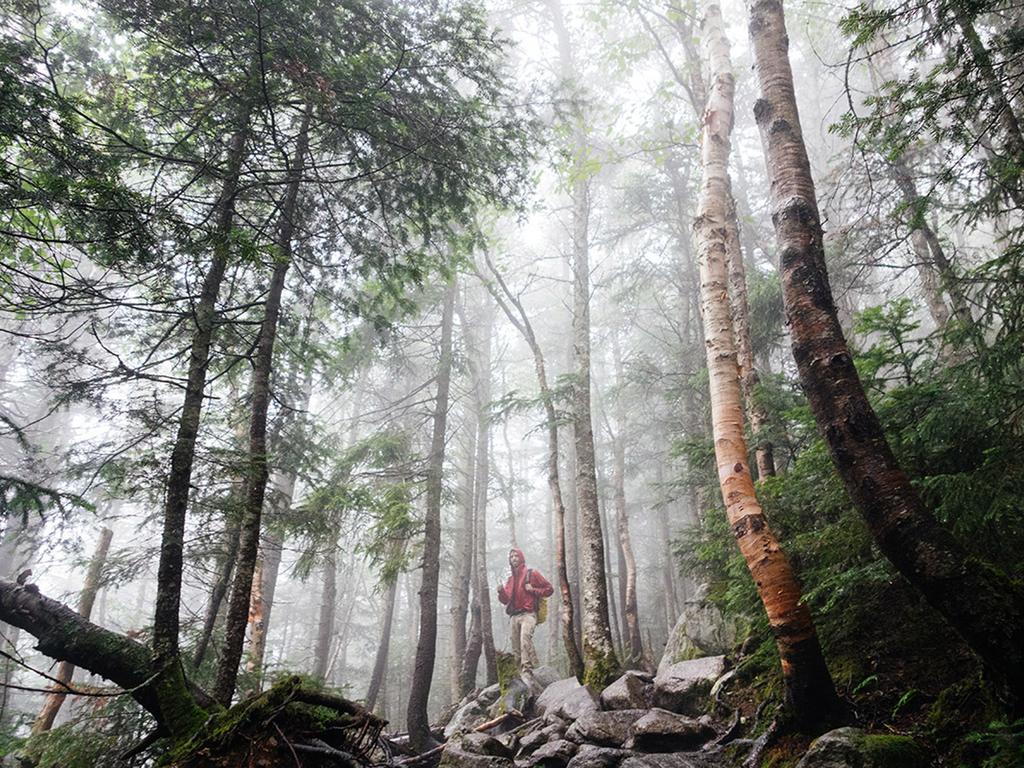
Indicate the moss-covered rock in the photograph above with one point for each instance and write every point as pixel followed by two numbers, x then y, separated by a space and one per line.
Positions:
pixel 853 748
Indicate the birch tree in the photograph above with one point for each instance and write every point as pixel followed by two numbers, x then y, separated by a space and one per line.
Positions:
pixel 809 688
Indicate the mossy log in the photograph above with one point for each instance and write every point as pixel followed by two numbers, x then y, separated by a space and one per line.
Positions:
pixel 63 634
pixel 275 728
pixel 290 720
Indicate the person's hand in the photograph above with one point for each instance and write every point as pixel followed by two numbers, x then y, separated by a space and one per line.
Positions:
pixel 529 588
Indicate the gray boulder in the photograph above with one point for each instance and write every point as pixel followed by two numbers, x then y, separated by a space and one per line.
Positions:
pixel 554 754
pixel 466 718
pixel 485 744
pixel 453 756
pixel 545 676
pixel 593 756
pixel 853 748
pixel 683 686
pixel 567 699
pixel 609 729
pixel 517 696
pixel 662 731
pixel 631 691
pixel 535 738
pixel 489 695
pixel 700 630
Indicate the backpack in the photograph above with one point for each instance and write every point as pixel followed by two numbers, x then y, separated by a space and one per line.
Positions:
pixel 542 603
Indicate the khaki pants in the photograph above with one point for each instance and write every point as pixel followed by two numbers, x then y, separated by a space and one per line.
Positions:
pixel 523 625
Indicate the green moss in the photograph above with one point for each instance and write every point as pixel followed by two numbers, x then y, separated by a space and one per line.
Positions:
pixel 688 650
pixel 218 731
pixel 601 669
pixel 961 708
pixel 508 670
pixel 883 750
pixel 182 715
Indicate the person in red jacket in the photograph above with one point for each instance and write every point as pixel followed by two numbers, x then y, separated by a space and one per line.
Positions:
pixel 521 595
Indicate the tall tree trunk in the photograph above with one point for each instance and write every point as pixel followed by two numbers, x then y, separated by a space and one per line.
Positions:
pixel 506 301
pixel 54 701
pixel 463 569
pixel 328 603
pixel 614 606
pixel 258 471
pixel 633 641
pixel 380 662
pixel 510 485
pixel 600 663
pixel 423 671
pixel 809 689
pixel 980 602
pixel 179 477
pixel 668 573
pixel 265 575
pixel 260 606
pixel 482 371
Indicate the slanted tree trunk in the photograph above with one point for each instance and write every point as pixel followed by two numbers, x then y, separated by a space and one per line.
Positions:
pixel 506 301
pixel 756 416
pixel 1005 116
pixel 600 662
pixel 66 671
pixel 258 469
pixel 383 648
pixel 179 477
pixel 809 689
pixel 328 603
pixel 62 634
pixel 426 645
pixel 632 640
pixel 979 601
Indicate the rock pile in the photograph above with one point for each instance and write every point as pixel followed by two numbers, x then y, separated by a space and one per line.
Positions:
pixel 639 721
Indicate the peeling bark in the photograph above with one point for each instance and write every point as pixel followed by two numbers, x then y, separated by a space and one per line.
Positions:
pixel 810 692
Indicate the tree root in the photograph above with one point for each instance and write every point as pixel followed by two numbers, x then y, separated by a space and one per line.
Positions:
pixel 761 745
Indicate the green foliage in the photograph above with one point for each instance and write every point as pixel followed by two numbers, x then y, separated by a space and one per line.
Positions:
pixel 947 424
pixel 23 498
pixel 1003 743
pixel 98 733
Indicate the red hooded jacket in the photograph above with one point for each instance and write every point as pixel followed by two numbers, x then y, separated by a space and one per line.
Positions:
pixel 513 594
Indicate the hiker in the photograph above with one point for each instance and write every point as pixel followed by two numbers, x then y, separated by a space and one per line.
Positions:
pixel 522 595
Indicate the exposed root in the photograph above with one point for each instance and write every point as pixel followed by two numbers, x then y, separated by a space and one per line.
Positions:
pixel 761 745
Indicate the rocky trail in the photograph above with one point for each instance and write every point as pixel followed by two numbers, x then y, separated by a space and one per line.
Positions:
pixel 674 719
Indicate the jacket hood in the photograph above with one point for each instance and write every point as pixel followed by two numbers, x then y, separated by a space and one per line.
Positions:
pixel 517 551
